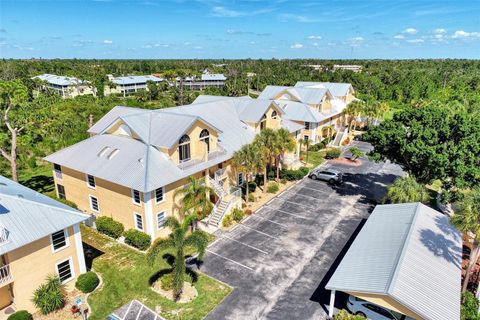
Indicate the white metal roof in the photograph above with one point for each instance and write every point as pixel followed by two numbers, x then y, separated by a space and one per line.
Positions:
pixel 213 77
pixel 338 89
pixel 135 79
pixel 29 216
pixel 60 80
pixel 410 253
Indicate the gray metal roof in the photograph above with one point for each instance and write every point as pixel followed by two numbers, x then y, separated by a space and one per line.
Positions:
pixel 134 310
pixel 252 110
pixel 271 92
pixel 291 126
pixel 213 77
pixel 300 111
pixel 28 215
pixel 337 89
pixel 409 252
pixel 60 80
pixel 135 79
pixel 302 94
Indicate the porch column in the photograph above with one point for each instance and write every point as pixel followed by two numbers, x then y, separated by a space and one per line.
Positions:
pixel 332 303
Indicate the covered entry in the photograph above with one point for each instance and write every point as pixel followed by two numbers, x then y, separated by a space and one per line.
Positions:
pixel 407 258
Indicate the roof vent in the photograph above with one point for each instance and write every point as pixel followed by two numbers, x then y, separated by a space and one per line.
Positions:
pixel 112 154
pixel 20 196
pixel 103 151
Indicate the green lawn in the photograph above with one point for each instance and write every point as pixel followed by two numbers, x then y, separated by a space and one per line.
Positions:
pixel 126 275
pixel 39 179
pixel 314 158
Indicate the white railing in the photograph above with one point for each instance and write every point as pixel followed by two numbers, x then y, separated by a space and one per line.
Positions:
pixel 220 173
pixel 217 187
pixel 217 153
pixel 206 157
pixel 5 275
pixel 3 235
pixel 214 210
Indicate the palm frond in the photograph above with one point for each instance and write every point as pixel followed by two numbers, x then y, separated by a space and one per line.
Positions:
pixel 157 247
pixel 199 240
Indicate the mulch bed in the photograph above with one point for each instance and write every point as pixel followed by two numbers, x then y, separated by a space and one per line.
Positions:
pixel 347 162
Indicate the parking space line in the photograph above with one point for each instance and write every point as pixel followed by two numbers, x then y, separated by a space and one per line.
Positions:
pixel 228 259
pixel 291 214
pixel 307 196
pixel 318 190
pixel 300 204
pixel 247 245
pixel 265 219
pixel 265 234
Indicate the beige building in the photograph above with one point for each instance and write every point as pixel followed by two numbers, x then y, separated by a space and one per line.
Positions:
pixel 38 237
pixel 129 84
pixel 67 87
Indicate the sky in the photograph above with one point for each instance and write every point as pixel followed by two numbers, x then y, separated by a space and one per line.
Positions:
pixel 178 29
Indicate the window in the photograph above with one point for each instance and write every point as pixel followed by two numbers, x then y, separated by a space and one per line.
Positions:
pixel 94 204
pixel 64 270
pixel 59 240
pixel 58 170
pixel 263 122
pixel 184 148
pixel 159 195
pixel 91 181
pixel 240 179
pixel 307 125
pixel 136 196
pixel 305 138
pixel 160 219
pixel 61 191
pixel 138 221
pixel 274 114
pixel 205 137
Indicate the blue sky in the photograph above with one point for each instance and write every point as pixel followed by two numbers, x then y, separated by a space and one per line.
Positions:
pixel 239 29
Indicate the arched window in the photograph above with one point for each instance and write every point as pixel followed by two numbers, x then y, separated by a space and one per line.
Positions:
pixel 274 114
pixel 184 148
pixel 205 137
pixel 263 122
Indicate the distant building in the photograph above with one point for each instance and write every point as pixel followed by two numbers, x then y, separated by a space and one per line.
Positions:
pixel 129 84
pixel 316 67
pixel 67 87
pixel 351 67
pixel 207 79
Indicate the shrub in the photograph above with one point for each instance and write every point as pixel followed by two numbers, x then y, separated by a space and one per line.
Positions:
pixel 87 282
pixel 344 315
pixel 137 239
pixel 469 307
pixel 271 175
pixel 333 154
pixel 304 171
pixel 67 202
pixel 248 212
pixel 227 221
pixel 110 227
pixel 237 215
pixel 259 180
pixel 273 188
pixel 356 153
pixel 20 315
pixel 252 186
pixel 166 281
pixel 49 296
pixel 317 147
pixel 251 198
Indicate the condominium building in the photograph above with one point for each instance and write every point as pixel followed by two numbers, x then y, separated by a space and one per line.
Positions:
pixel 129 84
pixel 38 237
pixel 351 67
pixel 67 87
pixel 206 80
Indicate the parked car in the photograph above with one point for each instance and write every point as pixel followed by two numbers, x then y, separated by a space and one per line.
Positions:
pixel 372 311
pixel 329 175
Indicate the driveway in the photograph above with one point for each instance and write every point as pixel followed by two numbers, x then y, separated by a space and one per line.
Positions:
pixel 280 258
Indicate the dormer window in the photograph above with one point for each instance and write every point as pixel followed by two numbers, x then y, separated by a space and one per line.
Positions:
pixel 263 122
pixel 205 138
pixel 274 114
pixel 184 148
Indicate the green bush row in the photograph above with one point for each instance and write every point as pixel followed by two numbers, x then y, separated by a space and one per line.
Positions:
pixel 115 229
pixel 137 239
pixel 292 175
pixel 273 187
pixel 333 154
pixel 237 215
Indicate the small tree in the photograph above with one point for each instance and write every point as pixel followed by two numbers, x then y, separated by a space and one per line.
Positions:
pixel 49 296
pixel 307 143
pixel 248 160
pixel 195 198
pixel 356 153
pixel 285 143
pixel 406 189
pixel 266 142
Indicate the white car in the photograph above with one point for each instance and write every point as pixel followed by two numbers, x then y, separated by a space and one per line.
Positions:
pixel 372 311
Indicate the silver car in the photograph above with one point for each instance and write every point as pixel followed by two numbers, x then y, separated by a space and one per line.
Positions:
pixel 372 311
pixel 329 175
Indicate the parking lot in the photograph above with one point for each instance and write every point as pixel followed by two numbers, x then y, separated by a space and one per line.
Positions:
pixel 279 259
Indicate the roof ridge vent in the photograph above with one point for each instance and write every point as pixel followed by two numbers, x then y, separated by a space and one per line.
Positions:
pixel 103 151
pixel 113 154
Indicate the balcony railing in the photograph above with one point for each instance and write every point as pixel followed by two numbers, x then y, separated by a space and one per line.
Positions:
pixel 3 235
pixel 5 275
pixel 209 156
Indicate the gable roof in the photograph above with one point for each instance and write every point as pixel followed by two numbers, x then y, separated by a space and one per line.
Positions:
pixel 271 92
pixel 337 89
pixel 298 111
pixel 29 216
pixel 213 77
pixel 60 80
pixel 410 253
pixel 302 94
pixel 135 79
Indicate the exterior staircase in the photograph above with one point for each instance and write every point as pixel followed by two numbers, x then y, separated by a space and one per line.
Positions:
pixel 218 213
pixel 217 187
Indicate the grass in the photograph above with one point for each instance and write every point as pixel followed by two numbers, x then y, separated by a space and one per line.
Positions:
pixel 39 179
pixel 126 275
pixel 314 158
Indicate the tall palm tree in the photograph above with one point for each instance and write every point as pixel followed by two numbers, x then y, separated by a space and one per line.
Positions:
pixel 247 160
pixel 266 142
pixel 467 220
pixel 285 143
pixel 354 110
pixel 307 144
pixel 406 189
pixel 179 240
pixel 195 198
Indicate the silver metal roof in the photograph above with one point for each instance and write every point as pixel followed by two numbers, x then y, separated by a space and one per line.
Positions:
pixel 291 126
pixel 409 252
pixel 135 79
pixel 300 111
pixel 337 89
pixel 60 80
pixel 213 77
pixel 302 94
pixel 29 216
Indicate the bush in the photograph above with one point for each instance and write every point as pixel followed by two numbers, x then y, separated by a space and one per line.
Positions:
pixel 166 281
pixel 49 296
pixel 87 282
pixel 273 187
pixel 251 198
pixel 237 215
pixel 67 202
pixel 469 307
pixel 110 227
pixel 259 180
pixel 137 239
pixel 333 154
pixel 227 221
pixel 304 171
pixel 20 315
pixel 248 212
pixel 252 186
pixel 344 315
pixel 272 174
pixel 317 147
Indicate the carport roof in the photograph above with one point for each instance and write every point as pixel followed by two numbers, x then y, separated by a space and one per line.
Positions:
pixel 410 253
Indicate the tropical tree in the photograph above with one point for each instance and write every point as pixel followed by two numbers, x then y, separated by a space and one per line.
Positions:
pixel 195 198
pixel 353 111
pixel 247 160
pixel 356 153
pixel 307 144
pixel 467 220
pixel 405 190
pixel 285 143
pixel 266 142
pixel 178 240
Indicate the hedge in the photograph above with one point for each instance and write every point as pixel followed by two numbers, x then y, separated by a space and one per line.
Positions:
pixel 273 188
pixel 87 282
pixel 137 239
pixel 237 215
pixel 252 186
pixel 20 315
pixel 333 154
pixel 291 175
pixel 110 227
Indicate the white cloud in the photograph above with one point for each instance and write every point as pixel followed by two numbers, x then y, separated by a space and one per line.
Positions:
pixel 438 36
pixel 315 44
pixel 416 41
pixel 187 43
pixel 461 34
pixel 198 48
pixel 296 46
pixel 315 37
pixel 399 36
pixel 410 31
pixel 440 31
pixel 107 41
pixel 357 39
pixel 225 12
pixel 163 45
pixel 297 18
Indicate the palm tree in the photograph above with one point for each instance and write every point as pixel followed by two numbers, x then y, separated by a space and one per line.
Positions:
pixel 195 198
pixel 266 142
pixel 285 143
pixel 354 110
pixel 179 240
pixel 467 220
pixel 307 143
pixel 406 189
pixel 247 160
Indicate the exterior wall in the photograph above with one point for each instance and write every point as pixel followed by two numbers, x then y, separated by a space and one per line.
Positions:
pixel 349 97
pixel 326 105
pixel 32 263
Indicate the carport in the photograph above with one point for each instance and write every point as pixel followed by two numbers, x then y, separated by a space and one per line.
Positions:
pixel 407 258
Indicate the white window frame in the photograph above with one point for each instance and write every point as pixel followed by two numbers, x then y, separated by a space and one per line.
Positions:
pixel 238 178
pixel 67 241
pixel 164 218
pixel 163 195
pixel 58 173
pixel 72 269
pixel 139 196
pixel 91 204
pixel 58 192
pixel 88 183
pixel 135 215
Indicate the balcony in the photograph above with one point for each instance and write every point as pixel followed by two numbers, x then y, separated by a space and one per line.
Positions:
pixel 5 275
pixel 207 157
